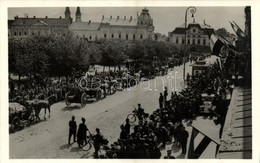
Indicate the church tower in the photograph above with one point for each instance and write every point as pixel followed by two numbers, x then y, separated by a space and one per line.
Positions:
pixel 67 13
pixel 145 18
pixel 78 15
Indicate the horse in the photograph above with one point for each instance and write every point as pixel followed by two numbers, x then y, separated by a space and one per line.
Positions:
pixel 46 104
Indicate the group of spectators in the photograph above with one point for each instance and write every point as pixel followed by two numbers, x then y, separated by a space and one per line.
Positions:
pixel 164 125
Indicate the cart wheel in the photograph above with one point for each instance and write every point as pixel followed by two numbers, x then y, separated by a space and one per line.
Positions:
pixel 16 124
pixel 67 100
pixel 84 99
pixel 132 118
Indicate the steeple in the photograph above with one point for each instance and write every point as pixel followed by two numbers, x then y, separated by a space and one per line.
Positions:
pixel 145 18
pixel 67 13
pixel 78 15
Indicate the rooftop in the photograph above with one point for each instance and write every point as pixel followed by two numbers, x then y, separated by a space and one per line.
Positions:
pixel 119 21
pixel 91 26
pixel 61 22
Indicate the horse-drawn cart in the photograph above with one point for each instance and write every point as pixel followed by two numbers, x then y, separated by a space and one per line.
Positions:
pixel 84 91
pixel 20 116
pixel 76 96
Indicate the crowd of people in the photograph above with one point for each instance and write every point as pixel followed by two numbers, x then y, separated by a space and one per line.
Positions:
pixel 165 124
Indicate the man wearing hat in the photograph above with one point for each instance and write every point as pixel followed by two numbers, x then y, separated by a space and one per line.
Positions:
pixel 98 139
pixel 82 133
pixel 169 156
pixel 72 129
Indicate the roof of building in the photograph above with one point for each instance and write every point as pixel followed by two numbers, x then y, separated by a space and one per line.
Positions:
pixel 237 132
pixel 181 28
pixel 120 21
pixel 91 26
pixel 60 22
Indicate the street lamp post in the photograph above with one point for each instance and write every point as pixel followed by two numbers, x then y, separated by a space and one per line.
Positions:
pixel 192 11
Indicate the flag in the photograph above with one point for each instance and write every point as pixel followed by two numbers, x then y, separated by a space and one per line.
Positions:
pixel 201 145
pixel 227 43
pixel 216 45
pixel 237 30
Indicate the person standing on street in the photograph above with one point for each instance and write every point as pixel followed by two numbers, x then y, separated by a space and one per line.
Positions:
pixel 72 129
pixel 161 101
pixel 184 138
pixel 127 126
pixel 82 133
pixel 98 139
pixel 165 93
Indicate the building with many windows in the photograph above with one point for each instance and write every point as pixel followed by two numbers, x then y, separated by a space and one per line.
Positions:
pixel 26 26
pixel 196 35
pixel 125 28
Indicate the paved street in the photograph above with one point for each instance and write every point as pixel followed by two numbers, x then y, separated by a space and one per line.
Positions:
pixel 48 139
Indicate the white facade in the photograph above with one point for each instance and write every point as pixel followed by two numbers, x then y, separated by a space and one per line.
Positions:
pixel 196 35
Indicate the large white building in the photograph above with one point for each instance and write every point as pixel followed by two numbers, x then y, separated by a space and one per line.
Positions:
pixel 196 35
pixel 125 28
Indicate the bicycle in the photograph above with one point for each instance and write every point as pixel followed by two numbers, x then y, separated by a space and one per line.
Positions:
pixel 90 142
pixel 132 116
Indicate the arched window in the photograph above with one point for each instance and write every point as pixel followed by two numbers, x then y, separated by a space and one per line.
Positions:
pixel 126 36
pixel 15 33
pixel 133 36
pixel 25 33
pixel 105 35
pixel 119 35
pixel 141 36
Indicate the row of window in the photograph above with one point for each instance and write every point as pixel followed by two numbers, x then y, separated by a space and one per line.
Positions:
pixel 189 41
pixel 126 36
pixel 25 33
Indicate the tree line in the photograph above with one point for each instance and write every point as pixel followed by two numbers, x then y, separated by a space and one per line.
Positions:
pixel 61 55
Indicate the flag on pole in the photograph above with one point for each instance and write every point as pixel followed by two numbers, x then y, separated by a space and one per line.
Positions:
pixel 216 45
pixel 237 30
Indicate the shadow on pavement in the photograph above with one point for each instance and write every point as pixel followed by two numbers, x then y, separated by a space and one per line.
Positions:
pixel 181 156
pixel 71 108
pixel 175 148
pixel 86 155
pixel 65 146
pixel 75 149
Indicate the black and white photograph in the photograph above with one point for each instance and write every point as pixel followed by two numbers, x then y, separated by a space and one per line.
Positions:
pixel 129 82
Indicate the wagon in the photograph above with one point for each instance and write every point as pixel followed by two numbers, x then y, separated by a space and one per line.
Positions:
pixel 20 116
pixel 76 95
pixel 87 90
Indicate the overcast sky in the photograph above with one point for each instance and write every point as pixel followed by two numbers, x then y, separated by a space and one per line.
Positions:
pixel 165 18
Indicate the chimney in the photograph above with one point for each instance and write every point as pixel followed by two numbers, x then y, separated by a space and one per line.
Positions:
pixel 102 17
pixel 89 21
pixel 46 17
